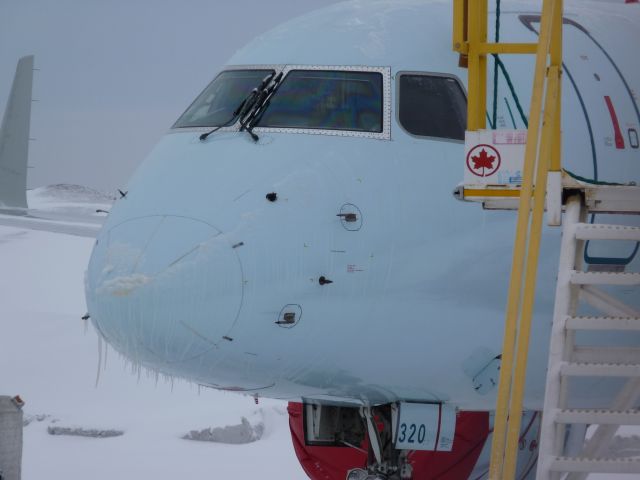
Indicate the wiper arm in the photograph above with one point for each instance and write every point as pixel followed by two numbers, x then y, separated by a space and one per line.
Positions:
pixel 245 106
pixel 259 107
pixel 236 112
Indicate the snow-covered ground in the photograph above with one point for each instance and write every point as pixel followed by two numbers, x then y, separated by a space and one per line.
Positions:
pixel 50 357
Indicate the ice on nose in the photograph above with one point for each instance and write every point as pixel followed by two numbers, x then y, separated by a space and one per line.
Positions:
pixel 164 288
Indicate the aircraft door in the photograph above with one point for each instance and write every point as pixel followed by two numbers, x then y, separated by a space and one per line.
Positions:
pixel 603 138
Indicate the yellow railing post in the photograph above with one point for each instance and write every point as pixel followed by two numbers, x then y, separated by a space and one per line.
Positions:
pixel 469 38
pixel 556 59
pixel 482 63
pixel 473 36
pixel 459 39
pixel 477 37
pixel 542 154
pixel 519 375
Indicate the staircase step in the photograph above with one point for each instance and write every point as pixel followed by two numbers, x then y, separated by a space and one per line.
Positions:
pixel 612 198
pixel 595 465
pixel 598 231
pixel 580 360
pixel 602 323
pixel 605 278
pixel 591 416
pixel 600 354
pixel 576 369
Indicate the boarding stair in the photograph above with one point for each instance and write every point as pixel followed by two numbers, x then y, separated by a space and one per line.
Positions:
pixel 564 453
pixel 528 176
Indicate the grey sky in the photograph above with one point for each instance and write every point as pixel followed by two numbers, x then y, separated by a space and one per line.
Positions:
pixel 114 75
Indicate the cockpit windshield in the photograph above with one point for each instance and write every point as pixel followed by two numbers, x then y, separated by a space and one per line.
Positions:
pixel 216 104
pixel 305 99
pixel 328 100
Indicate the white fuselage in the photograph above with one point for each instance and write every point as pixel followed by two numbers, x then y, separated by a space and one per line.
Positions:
pixel 195 266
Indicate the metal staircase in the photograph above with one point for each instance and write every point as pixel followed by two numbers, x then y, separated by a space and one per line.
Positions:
pixel 564 453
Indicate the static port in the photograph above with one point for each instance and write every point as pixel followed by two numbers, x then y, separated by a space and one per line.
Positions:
pixel 289 316
pixel 348 217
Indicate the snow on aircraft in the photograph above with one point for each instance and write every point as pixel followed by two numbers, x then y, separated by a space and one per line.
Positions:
pixel 294 234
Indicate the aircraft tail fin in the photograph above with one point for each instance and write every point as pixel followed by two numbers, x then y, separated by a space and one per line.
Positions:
pixel 14 138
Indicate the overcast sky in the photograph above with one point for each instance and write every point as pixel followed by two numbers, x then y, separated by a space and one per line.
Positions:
pixel 114 75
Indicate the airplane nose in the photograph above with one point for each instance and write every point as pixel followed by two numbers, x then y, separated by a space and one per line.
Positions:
pixel 164 288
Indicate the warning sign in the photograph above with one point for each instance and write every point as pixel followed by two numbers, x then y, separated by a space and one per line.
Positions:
pixel 509 137
pixel 483 160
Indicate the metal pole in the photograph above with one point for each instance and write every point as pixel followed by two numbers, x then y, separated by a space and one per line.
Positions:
pixel 10 437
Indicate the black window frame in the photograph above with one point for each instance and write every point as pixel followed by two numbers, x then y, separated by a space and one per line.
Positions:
pixel 329 70
pixel 399 76
pixel 385 71
pixel 267 69
pixel 386 107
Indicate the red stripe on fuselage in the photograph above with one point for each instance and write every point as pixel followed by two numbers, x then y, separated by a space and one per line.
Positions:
pixel 614 119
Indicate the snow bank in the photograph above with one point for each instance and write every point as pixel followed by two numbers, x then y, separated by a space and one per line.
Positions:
pixel 49 357
pixel 83 432
pixel 239 434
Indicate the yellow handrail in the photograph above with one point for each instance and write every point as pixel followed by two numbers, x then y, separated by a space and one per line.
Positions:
pixel 535 234
pixel 526 248
pixel 542 153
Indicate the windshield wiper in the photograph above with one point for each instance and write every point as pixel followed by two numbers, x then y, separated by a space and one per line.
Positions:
pixel 259 107
pixel 245 106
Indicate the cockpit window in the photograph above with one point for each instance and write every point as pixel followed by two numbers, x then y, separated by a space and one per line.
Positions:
pixel 215 105
pixel 432 106
pixel 327 100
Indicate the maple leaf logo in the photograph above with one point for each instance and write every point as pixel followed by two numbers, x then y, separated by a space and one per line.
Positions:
pixel 483 160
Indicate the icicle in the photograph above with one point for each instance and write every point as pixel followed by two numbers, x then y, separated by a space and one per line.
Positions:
pixel 99 360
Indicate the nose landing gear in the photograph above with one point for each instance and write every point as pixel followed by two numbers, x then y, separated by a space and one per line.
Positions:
pixel 384 462
pixel 333 442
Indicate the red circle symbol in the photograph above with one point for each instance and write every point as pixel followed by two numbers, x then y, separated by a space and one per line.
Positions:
pixel 483 160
